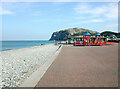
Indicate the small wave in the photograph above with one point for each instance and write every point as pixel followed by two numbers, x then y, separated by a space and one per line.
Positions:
pixel 6 49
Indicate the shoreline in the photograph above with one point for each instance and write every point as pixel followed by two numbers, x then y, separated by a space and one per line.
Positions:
pixel 25 47
pixel 19 64
pixel 11 45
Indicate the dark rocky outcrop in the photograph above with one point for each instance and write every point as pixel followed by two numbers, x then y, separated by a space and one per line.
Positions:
pixel 60 35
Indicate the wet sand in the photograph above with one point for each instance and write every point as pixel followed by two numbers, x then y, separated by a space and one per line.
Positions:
pixel 95 66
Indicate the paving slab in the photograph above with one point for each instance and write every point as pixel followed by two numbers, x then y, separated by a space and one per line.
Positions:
pixel 79 66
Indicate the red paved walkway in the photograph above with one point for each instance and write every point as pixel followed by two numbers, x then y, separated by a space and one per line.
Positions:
pixel 83 67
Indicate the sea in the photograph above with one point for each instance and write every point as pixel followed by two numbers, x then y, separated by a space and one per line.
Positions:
pixel 10 45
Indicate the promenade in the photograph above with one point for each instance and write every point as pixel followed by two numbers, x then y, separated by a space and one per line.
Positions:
pixel 90 66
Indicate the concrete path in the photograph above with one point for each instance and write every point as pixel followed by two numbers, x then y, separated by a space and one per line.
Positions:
pixel 80 66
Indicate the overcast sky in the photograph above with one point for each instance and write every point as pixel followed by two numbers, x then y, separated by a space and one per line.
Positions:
pixel 38 20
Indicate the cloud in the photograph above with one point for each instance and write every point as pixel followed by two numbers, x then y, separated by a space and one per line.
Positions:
pixel 10 8
pixel 110 27
pixel 112 11
pixel 16 5
pixel 109 11
pixel 88 21
pixel 5 12
pixel 93 21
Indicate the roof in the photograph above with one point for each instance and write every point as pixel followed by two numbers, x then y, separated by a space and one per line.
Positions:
pixel 86 34
pixel 98 34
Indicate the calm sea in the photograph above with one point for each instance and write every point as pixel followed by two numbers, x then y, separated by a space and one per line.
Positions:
pixel 9 45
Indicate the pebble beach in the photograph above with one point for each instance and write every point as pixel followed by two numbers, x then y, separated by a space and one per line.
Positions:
pixel 18 65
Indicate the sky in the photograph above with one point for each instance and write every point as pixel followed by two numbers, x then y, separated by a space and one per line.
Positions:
pixel 38 20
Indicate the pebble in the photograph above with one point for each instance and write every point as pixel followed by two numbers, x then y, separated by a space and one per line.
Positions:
pixel 20 64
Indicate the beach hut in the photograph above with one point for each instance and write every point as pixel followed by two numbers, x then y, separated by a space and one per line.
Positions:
pixel 86 38
pixel 97 39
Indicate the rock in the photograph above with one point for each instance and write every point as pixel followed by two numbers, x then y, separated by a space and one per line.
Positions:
pixel 63 34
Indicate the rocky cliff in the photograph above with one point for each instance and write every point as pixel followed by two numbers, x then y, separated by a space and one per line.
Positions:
pixel 63 34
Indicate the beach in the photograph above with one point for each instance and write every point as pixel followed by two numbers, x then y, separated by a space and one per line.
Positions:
pixel 68 66
pixel 59 43
pixel 19 64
